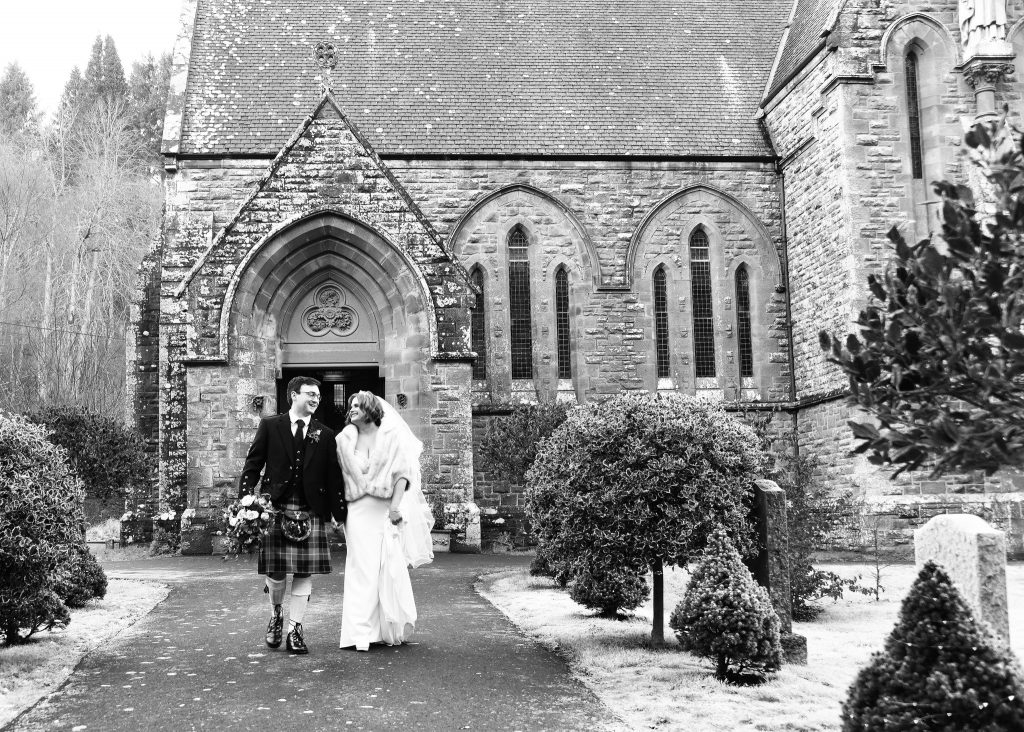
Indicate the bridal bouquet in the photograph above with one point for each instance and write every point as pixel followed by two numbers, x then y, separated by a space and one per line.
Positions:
pixel 247 521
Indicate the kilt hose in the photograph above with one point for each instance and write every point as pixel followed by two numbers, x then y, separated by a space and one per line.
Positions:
pixel 279 554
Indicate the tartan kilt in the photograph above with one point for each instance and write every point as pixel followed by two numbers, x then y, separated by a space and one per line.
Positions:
pixel 312 556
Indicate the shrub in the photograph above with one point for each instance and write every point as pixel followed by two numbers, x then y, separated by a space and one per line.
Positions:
pixel 510 444
pixel 727 616
pixel 41 528
pixel 108 456
pixel 80 579
pixel 640 481
pixel 814 515
pixel 939 670
pixel 608 589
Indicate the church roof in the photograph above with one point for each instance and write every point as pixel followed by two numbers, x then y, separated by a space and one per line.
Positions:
pixel 810 19
pixel 488 77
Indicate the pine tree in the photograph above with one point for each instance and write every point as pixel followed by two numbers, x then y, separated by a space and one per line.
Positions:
pixel 939 671
pixel 148 88
pixel 74 91
pixel 104 74
pixel 18 112
pixel 727 616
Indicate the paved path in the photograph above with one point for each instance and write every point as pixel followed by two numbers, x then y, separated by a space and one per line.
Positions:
pixel 198 662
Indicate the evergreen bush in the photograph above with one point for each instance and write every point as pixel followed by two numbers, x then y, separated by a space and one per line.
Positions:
pixel 41 530
pixel 640 481
pixel 510 443
pixel 80 579
pixel 609 590
pixel 939 670
pixel 108 456
pixel 725 615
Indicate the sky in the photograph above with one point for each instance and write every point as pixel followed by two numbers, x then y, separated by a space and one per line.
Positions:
pixel 47 38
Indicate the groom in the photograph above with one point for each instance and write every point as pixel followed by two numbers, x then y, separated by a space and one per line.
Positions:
pixel 302 475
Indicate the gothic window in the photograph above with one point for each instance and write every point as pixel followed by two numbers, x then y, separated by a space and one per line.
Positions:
pixel 746 347
pixel 700 291
pixel 562 323
pixel 661 323
pixel 914 114
pixel 477 332
pixel 520 331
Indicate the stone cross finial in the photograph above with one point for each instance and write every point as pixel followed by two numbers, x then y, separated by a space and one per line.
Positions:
pixel 325 56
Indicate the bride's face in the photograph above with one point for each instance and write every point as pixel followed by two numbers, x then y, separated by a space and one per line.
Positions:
pixel 356 415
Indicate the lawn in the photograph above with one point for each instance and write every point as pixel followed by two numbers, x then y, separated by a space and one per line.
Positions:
pixel 29 672
pixel 668 689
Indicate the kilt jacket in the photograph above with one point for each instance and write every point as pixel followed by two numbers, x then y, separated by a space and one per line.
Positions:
pixel 271 453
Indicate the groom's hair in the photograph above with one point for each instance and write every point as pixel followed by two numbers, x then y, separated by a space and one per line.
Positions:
pixel 296 384
pixel 368 403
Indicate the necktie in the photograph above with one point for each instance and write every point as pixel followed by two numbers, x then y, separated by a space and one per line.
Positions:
pixel 299 436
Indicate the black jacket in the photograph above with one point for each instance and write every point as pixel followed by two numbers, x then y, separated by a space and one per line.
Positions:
pixel 321 474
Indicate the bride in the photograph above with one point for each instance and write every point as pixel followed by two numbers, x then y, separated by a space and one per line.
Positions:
pixel 388 524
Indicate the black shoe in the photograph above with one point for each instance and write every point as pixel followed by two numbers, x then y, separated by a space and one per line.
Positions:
pixel 275 628
pixel 295 644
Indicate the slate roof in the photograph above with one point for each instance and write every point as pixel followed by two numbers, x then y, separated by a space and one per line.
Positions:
pixel 804 35
pixel 489 77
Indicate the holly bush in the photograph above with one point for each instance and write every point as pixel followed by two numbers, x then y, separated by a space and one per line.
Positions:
pixel 107 455
pixel 42 533
pixel 725 615
pixel 641 481
pixel 608 590
pixel 939 670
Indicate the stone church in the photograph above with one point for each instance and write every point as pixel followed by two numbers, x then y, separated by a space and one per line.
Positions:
pixel 463 205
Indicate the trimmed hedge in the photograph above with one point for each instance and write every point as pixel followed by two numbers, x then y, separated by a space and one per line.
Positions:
pixel 44 565
pixel 940 670
pixel 638 482
pixel 107 455
pixel 725 615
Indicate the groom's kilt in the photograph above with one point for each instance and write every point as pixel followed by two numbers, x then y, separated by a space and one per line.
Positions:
pixel 312 556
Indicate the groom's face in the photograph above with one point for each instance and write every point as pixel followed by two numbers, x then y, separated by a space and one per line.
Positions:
pixel 306 400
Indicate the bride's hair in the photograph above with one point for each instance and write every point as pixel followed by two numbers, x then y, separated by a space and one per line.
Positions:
pixel 366 401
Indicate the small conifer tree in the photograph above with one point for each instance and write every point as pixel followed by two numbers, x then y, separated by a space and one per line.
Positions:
pixel 727 616
pixel 939 671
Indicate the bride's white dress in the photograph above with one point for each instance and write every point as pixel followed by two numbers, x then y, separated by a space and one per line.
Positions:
pixel 378 604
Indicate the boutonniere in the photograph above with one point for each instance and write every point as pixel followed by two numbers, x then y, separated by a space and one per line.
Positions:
pixel 314 436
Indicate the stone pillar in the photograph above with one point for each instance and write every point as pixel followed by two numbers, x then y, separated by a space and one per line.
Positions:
pixel 771 565
pixel 451 450
pixel 982 74
pixel 973 554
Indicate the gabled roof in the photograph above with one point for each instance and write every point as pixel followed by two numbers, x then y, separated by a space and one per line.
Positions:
pixel 488 77
pixel 811 18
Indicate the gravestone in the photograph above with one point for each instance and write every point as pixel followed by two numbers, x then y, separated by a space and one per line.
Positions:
pixel 771 565
pixel 974 556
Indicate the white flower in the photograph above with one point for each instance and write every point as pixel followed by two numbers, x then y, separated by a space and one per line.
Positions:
pixel 499 520
pixel 247 499
pixel 250 515
pixel 232 520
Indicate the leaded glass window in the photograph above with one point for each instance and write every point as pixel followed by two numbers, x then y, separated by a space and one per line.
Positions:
pixel 746 347
pixel 562 323
pixel 703 312
pixel 477 328
pixel 914 114
pixel 661 323
pixel 520 331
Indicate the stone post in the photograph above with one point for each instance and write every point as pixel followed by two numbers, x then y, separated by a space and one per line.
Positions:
pixel 973 554
pixel 771 565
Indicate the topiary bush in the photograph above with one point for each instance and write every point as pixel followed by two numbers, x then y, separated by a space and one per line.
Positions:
pixel 939 670
pixel 41 531
pixel 510 444
pixel 640 481
pixel 725 615
pixel 80 579
pixel 107 455
pixel 609 590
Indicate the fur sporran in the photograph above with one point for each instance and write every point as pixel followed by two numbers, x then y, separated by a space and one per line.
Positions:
pixel 296 525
